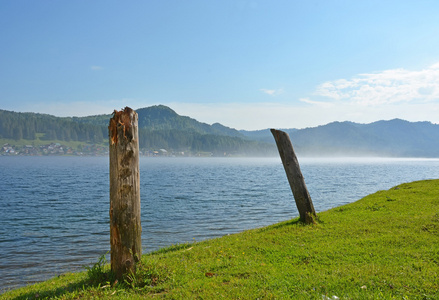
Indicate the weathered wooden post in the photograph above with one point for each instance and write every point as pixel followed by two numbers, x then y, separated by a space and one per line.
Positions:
pixel 125 228
pixel 295 177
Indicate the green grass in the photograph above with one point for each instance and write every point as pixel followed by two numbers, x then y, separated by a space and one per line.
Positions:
pixel 384 246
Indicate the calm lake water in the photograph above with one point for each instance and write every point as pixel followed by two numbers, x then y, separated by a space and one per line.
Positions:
pixel 54 215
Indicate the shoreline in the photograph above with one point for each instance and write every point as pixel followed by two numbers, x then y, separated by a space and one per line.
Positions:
pixel 378 231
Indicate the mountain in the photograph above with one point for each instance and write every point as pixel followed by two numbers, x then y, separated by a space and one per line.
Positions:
pixel 398 138
pixel 160 127
pixel 160 117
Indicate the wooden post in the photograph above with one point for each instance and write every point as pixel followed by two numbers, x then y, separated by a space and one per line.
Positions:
pixel 125 228
pixel 295 177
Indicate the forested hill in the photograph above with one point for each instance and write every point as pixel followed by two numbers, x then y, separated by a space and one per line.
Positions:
pixel 32 126
pixel 159 128
pixel 160 117
pixel 162 128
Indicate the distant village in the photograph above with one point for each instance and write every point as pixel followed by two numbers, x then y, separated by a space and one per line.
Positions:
pixel 82 150
pixel 54 149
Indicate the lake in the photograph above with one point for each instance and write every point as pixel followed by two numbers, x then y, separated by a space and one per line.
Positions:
pixel 54 215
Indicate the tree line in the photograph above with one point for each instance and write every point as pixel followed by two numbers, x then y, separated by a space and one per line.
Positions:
pixel 32 126
pixel 27 126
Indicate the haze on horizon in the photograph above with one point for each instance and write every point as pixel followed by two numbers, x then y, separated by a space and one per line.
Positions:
pixel 245 64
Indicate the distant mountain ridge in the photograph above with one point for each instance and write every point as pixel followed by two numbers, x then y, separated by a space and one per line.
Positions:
pixel 161 127
pixel 388 138
pixel 382 138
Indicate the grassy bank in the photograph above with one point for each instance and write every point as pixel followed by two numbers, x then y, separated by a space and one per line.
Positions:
pixel 384 246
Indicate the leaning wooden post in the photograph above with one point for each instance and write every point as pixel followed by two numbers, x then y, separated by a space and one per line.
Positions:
pixel 125 228
pixel 295 177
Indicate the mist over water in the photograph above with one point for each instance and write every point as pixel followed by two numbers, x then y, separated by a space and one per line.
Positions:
pixel 54 215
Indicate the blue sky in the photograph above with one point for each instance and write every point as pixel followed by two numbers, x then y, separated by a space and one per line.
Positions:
pixel 246 64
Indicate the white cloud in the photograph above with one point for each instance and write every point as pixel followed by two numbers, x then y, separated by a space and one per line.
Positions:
pixel 274 92
pixel 96 68
pixel 389 86
pixel 317 103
